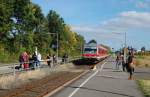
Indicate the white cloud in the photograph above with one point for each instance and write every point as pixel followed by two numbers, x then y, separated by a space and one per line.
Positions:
pixel 140 3
pixel 81 28
pixel 143 4
pixel 131 20
pixel 125 21
pixel 99 29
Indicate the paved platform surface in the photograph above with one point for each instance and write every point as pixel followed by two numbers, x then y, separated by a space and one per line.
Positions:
pixel 105 81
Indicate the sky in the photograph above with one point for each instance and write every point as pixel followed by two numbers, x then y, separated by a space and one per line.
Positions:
pixel 106 21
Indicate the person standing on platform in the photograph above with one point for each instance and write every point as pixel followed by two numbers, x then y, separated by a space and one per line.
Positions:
pixel 131 65
pixel 48 58
pixel 25 60
pixel 39 59
pixel 35 62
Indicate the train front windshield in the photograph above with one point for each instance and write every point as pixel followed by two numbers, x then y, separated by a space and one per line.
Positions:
pixel 90 50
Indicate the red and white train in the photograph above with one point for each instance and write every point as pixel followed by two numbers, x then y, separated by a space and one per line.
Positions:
pixel 94 52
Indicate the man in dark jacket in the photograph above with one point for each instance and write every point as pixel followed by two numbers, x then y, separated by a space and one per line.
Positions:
pixel 130 65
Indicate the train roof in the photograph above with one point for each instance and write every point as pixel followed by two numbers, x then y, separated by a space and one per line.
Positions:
pixel 95 45
pixel 102 47
pixel 90 44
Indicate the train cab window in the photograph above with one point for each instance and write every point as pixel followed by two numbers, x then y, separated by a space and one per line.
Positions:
pixel 89 51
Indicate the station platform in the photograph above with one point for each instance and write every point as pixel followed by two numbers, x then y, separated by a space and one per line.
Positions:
pixel 104 81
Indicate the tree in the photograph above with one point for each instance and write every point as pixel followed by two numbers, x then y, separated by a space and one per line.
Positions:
pixel 29 25
pixel 68 40
pixel 5 18
pixel 23 26
pixel 55 22
pixel 55 25
pixel 80 43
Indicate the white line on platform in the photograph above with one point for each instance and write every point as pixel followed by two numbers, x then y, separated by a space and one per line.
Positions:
pixel 87 80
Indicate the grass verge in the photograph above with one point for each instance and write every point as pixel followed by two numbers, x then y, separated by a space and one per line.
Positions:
pixel 143 61
pixel 145 87
pixel 10 81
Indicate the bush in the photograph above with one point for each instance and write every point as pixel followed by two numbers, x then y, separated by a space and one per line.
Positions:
pixel 137 62
pixel 8 58
pixel 145 87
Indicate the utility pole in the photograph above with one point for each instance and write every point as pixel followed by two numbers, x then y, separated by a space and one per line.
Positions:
pixel 125 47
pixel 57 48
pixel 57 44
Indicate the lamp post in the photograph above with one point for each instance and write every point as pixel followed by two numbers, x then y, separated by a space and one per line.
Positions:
pixel 125 48
pixel 125 44
pixel 57 47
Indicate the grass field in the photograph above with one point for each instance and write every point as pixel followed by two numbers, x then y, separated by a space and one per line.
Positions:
pixel 7 82
pixel 7 58
pixel 142 61
pixel 145 87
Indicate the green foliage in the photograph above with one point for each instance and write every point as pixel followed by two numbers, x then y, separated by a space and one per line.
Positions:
pixel 8 58
pixel 145 87
pixel 138 62
pixel 24 27
pixel 69 42
pixel 5 15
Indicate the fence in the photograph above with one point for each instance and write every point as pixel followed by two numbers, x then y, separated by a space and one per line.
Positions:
pixel 12 69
